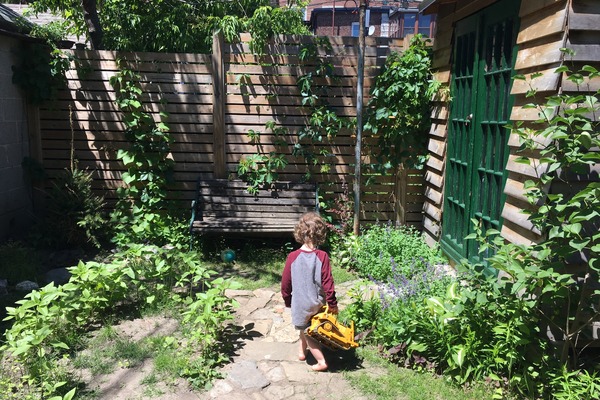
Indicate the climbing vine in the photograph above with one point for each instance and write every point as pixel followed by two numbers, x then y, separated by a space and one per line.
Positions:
pixel 40 70
pixel 148 163
pixel 398 112
pixel 323 125
pixel 262 169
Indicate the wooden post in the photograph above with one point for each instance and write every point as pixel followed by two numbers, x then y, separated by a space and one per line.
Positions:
pixel 218 77
pixel 401 189
pixel 359 111
pixel 36 153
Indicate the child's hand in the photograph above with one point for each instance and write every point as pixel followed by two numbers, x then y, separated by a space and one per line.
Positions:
pixel 333 309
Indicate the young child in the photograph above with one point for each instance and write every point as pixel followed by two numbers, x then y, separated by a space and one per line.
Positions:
pixel 307 283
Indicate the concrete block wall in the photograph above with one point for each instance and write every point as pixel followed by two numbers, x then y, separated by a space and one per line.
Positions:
pixel 16 212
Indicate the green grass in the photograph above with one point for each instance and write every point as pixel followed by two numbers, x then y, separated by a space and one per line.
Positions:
pixel 259 264
pixel 396 383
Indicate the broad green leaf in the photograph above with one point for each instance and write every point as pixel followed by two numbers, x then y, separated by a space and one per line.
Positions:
pixel 459 354
pixel 61 345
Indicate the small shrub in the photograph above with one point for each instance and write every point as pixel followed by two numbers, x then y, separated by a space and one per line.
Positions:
pixel 383 250
pixel 74 215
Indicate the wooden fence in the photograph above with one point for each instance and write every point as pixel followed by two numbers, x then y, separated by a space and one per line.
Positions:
pixel 213 102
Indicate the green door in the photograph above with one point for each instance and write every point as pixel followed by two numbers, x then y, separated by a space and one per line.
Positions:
pixel 483 61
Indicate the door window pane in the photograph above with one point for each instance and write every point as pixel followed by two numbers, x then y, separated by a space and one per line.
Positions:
pixel 409 24
pixel 425 25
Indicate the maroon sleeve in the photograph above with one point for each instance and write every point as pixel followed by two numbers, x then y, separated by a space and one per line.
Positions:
pixel 327 281
pixel 286 282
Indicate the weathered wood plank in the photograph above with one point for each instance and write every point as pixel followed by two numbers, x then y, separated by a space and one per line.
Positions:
pixel 142 66
pixel 547 82
pixel 585 52
pixel 546 22
pixel 533 6
pixel 585 7
pixel 540 55
pixel 144 57
pixel 223 204
pixel 155 77
pixel 437 146
pixel 517 235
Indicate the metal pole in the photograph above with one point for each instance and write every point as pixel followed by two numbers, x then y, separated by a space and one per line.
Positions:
pixel 359 112
pixel 333 19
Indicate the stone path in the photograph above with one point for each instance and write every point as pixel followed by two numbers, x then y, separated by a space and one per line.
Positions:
pixel 265 366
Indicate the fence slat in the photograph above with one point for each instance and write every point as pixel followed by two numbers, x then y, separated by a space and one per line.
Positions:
pixel 213 102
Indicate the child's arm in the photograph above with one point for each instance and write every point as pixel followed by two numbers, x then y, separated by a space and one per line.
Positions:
pixel 286 283
pixel 328 285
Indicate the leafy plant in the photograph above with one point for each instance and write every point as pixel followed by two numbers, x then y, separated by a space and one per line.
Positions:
pixel 52 32
pixel 75 215
pixel 261 170
pixel 40 71
pixel 48 323
pixel 398 112
pixel 323 122
pixel 176 26
pixel 381 249
pixel 567 136
pixel 142 204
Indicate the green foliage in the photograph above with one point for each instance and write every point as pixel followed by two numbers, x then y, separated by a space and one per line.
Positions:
pixel 322 126
pixel 52 32
pixel 48 323
pixel 398 112
pixel 522 330
pixel 268 21
pixel 571 385
pixel 39 71
pixel 323 123
pixel 142 205
pixel 261 170
pixel 567 136
pixel 18 262
pixel 74 214
pixel 394 383
pixel 383 249
pixel 178 26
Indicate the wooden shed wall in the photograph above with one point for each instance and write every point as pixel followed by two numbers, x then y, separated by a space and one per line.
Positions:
pixel 546 26
pixel 210 121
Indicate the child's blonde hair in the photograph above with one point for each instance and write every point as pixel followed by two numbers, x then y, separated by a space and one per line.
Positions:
pixel 311 228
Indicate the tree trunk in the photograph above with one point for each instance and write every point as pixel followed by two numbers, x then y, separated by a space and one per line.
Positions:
pixel 90 16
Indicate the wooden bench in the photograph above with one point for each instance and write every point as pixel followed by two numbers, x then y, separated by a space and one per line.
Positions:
pixel 224 206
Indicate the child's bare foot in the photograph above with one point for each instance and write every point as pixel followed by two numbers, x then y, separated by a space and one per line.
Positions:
pixel 301 357
pixel 319 367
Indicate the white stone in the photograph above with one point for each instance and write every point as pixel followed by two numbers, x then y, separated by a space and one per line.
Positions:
pixel 26 286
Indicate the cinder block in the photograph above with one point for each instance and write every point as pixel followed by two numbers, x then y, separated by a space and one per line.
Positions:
pixel 11 178
pixel 10 133
pixel 13 109
pixel 4 156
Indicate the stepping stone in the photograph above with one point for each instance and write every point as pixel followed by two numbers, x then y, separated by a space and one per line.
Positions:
pixel 264 293
pixel 285 333
pixel 279 392
pixel 298 371
pixel 263 350
pixel 246 374
pixel 257 328
pixel 238 293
